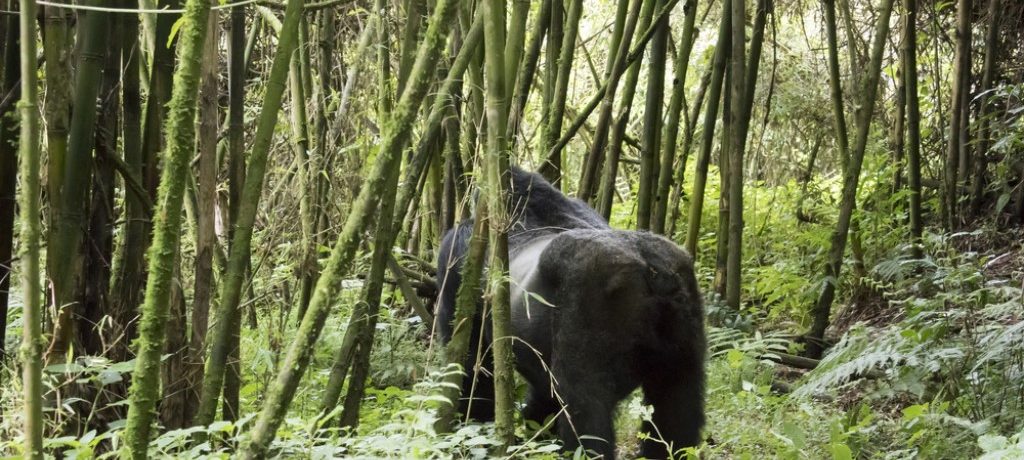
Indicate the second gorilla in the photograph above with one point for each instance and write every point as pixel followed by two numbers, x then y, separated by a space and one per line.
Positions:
pixel 620 310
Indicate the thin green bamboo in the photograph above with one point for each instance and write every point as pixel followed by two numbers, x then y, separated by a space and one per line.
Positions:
pixel 32 341
pixel 228 314
pixel 670 136
pixel 913 128
pixel 552 168
pixel 851 178
pixel 649 154
pixel 396 132
pixel 710 117
pixel 496 160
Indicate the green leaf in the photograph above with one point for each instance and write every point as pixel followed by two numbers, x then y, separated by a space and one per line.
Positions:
pixel 66 368
pixel 794 433
pixel 840 451
pixel 915 411
pixel 174 31
pixel 992 443
pixel 1001 202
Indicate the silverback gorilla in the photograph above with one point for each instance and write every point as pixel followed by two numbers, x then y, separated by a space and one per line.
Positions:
pixel 620 310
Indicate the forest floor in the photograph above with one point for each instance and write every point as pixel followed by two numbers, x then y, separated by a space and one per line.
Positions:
pixel 928 363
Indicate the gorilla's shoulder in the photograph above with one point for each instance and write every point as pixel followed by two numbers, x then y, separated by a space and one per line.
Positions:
pixel 538 205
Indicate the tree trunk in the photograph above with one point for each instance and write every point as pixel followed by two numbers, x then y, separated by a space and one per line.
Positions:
pixel 649 154
pixel 131 275
pixel 8 167
pixel 397 130
pixel 551 169
pixel 206 236
pixel 691 126
pixel 851 178
pixel 988 73
pixel 137 209
pixel 307 266
pixel 174 362
pixel 528 68
pixel 57 51
pixel 616 66
pixel 835 85
pixel 961 79
pixel 180 133
pixel 899 130
pixel 467 300
pixel 724 158
pixel 913 127
pixel 743 97
pixel 228 314
pixel 710 117
pixel 496 166
pixel 606 191
pixel 363 327
pixel 675 109
pixel 71 221
pixel 32 341
pixel 805 180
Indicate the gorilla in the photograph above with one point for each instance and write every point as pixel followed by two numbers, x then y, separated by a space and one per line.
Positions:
pixel 597 313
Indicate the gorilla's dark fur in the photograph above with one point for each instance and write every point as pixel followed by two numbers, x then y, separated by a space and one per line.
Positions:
pixel 625 312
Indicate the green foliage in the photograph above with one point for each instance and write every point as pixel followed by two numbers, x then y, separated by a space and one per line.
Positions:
pixel 957 351
pixel 999 447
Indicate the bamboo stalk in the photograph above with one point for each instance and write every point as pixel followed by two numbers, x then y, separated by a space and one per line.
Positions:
pixel 32 341
pixel 162 254
pixel 396 134
pixel 228 314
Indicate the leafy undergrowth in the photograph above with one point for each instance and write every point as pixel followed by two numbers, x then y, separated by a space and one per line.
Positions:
pixel 928 363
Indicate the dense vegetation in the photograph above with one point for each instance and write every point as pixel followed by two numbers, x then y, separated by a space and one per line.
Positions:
pixel 218 221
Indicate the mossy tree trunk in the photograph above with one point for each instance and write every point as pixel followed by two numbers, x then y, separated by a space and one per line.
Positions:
pixel 496 166
pixel 307 265
pixel 162 255
pixel 467 301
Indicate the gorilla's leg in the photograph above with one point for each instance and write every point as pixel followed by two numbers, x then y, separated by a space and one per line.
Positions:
pixel 539 404
pixel 587 386
pixel 678 399
pixel 478 395
pixel 478 385
pixel 589 421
